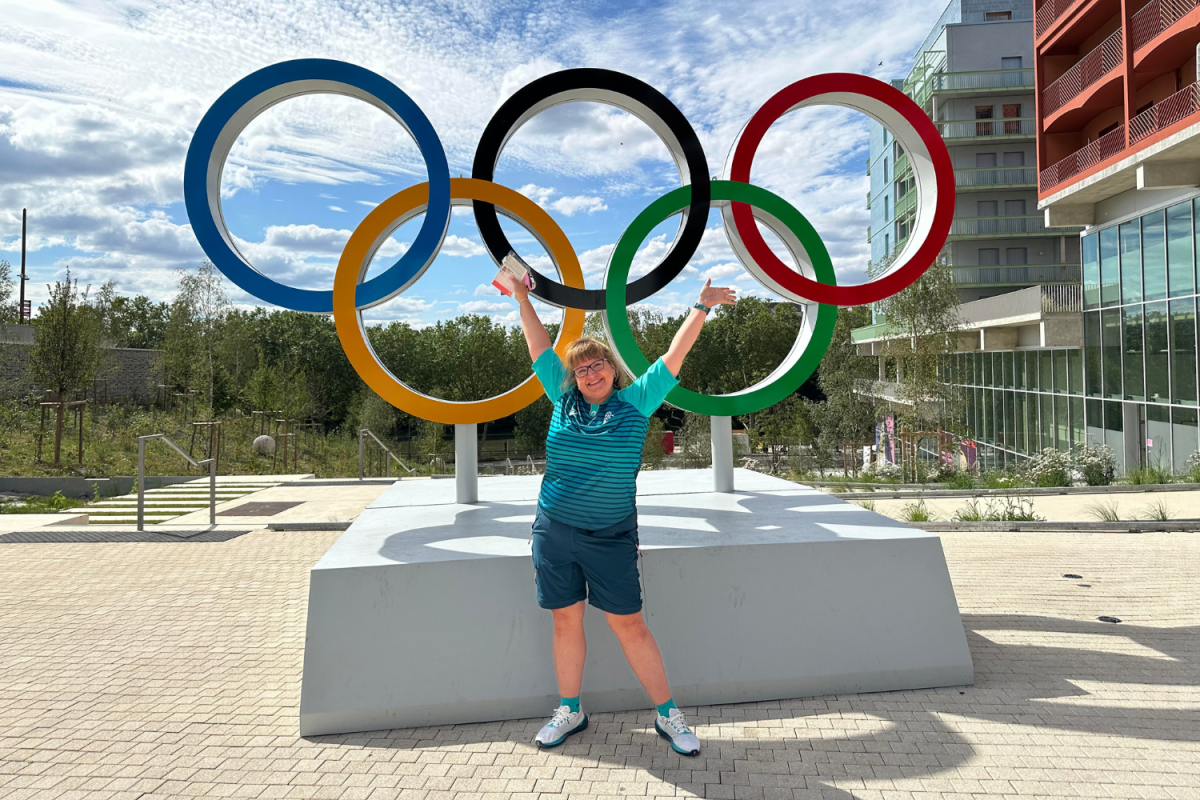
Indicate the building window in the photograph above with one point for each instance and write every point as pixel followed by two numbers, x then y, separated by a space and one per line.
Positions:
pixel 1183 351
pixel 989 256
pixel 1134 379
pixel 983 113
pixel 1012 126
pixel 1014 208
pixel 1110 271
pixel 887 245
pixel 1016 256
pixel 1108 129
pixel 985 160
pixel 885 170
pixel 1091 271
pixel 887 214
pixel 1154 257
pixel 998 16
pixel 1180 273
pixel 1131 262
pixel 986 208
pixel 1016 159
pixel 1010 62
pixel 1157 362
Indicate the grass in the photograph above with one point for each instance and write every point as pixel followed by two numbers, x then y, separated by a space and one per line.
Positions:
pixel 869 505
pixel 916 512
pixel 1152 474
pixel 1157 512
pixel 40 505
pixel 110 446
pixel 999 509
pixel 1104 511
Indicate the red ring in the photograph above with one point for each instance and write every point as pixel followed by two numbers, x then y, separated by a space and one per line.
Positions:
pixel 898 279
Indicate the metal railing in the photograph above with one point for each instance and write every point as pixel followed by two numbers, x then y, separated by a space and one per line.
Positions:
pixel 388 458
pixel 906 203
pixel 1061 299
pixel 1086 157
pixel 998 226
pixel 1030 273
pixel 1049 12
pixel 996 176
pixel 943 82
pixel 1165 113
pixel 141 478
pixel 1103 59
pixel 1156 17
pixel 987 128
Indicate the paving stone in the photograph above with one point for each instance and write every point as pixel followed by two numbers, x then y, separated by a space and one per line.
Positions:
pixel 141 671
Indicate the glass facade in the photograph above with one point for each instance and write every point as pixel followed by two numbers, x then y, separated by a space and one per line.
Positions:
pixel 1139 335
pixel 1134 385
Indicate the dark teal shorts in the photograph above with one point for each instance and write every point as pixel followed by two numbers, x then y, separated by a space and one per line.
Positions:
pixel 572 564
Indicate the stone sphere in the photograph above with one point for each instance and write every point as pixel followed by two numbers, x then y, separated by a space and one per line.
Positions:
pixel 264 445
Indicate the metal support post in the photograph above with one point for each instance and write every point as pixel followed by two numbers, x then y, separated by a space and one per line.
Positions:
pixel 212 491
pixel 360 455
pixel 466 464
pixel 722 453
pixel 141 483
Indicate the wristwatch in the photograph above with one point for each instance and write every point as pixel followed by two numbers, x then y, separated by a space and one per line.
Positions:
pixel 702 307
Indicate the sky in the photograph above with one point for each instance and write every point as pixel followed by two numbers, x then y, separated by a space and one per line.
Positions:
pixel 99 100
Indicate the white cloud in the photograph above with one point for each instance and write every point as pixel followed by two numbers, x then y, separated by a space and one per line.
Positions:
pixel 337 208
pixel 568 206
pixel 720 271
pixel 462 247
pixel 486 289
pixel 366 203
pixel 483 306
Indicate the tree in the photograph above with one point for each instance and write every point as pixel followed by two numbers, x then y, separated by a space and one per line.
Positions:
pixel 66 345
pixel 923 320
pixel 9 314
pixel 193 329
pixel 848 414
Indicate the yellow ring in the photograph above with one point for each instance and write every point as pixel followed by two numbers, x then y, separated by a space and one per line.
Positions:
pixel 352 267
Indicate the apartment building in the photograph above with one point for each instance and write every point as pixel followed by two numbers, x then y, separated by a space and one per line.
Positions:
pixel 1118 121
pixel 1020 362
pixel 974 76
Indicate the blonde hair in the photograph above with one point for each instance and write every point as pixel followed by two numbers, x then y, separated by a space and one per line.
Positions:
pixel 588 349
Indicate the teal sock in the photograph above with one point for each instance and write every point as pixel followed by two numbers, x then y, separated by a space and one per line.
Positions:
pixel 665 709
pixel 571 703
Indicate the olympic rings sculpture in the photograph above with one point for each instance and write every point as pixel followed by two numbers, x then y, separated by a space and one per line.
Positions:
pixel 743 207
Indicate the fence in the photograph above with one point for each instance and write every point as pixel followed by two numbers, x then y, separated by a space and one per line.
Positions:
pixel 1156 17
pixel 1103 58
pixel 1107 146
pixel 1165 113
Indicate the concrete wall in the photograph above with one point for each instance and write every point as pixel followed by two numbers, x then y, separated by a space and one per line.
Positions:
pixel 127 373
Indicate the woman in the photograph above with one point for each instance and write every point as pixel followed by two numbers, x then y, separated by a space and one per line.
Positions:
pixel 585 532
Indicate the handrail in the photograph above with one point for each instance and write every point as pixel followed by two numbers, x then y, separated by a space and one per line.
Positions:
pixel 1091 67
pixel 387 464
pixel 141 478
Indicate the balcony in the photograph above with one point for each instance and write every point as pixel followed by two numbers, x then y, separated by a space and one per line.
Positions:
pixel 996 81
pixel 1102 149
pixel 978 131
pixel 906 203
pixel 1049 12
pixel 1103 59
pixel 1156 17
pixel 1165 113
pixel 1016 275
pixel 976 180
pixel 998 227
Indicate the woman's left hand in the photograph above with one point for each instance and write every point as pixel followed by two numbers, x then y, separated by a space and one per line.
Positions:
pixel 717 295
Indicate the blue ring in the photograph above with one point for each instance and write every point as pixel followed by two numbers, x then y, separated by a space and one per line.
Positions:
pixel 211 234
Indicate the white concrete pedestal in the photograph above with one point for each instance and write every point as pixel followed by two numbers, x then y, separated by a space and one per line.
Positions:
pixel 424 612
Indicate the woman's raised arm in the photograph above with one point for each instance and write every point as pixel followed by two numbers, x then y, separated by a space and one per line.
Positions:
pixel 686 336
pixel 535 332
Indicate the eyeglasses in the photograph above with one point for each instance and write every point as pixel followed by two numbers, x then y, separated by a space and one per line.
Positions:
pixel 595 366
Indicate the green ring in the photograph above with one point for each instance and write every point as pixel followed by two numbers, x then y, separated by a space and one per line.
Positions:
pixel 754 398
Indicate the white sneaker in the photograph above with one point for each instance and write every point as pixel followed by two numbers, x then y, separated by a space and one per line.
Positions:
pixel 676 731
pixel 561 725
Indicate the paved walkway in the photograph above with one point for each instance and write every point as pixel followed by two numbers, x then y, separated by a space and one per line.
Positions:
pixel 173 670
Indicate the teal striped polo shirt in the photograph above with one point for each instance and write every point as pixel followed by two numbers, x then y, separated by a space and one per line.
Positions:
pixel 594 452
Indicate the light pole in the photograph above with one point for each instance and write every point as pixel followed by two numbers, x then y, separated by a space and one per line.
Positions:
pixel 21 307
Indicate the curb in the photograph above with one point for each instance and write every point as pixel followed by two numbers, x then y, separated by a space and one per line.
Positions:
pixel 1052 491
pixel 308 526
pixel 1131 526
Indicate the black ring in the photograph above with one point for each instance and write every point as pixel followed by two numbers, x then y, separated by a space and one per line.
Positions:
pixel 609 87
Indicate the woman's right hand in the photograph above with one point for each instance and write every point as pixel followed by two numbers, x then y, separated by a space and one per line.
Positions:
pixel 520 291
